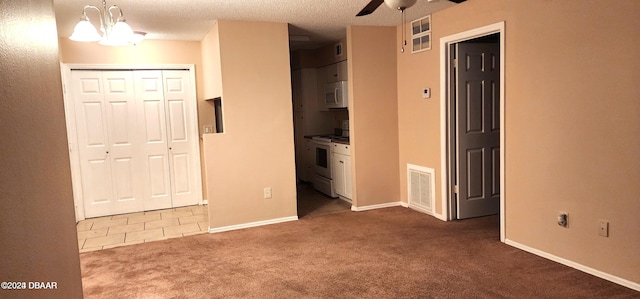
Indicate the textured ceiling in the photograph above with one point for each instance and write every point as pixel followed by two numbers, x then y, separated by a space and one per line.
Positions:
pixel 323 21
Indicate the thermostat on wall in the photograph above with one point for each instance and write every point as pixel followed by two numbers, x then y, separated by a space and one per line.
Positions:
pixel 426 93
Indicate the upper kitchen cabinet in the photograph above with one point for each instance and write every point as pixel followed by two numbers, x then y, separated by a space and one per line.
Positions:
pixel 321 83
pixel 336 72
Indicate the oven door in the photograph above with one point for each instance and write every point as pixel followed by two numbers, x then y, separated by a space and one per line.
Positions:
pixel 323 159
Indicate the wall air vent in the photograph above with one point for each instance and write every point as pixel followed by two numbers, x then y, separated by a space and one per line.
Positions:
pixel 421 182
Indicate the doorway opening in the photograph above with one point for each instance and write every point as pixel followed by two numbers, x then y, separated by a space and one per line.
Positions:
pixel 472 123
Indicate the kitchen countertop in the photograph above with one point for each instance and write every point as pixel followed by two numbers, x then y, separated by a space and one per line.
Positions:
pixel 341 141
pixel 334 138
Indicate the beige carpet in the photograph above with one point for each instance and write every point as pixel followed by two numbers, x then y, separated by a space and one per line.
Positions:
pixel 387 253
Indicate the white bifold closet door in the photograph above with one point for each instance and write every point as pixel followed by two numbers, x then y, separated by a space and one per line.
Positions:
pixel 136 153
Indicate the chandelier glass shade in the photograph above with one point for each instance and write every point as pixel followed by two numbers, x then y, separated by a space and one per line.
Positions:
pixel 115 30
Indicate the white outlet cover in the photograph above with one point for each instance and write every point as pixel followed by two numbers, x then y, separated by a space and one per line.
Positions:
pixel 426 93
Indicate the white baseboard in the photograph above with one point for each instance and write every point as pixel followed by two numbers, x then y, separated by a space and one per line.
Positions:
pixel 394 204
pixel 430 213
pixel 615 279
pixel 440 216
pixel 251 224
pixel 347 200
pixel 373 207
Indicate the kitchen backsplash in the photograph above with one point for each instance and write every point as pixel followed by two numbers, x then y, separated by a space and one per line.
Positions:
pixel 339 116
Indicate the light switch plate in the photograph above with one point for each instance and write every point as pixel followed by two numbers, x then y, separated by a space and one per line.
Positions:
pixel 426 93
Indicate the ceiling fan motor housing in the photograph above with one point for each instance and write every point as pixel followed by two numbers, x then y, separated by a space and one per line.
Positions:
pixel 400 4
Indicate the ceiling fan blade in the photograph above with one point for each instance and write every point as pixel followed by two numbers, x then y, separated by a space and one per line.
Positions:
pixel 370 7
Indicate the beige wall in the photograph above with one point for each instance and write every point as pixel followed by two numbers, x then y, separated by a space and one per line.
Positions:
pixel 147 52
pixel 572 121
pixel 256 149
pixel 37 222
pixel 373 114
pixel 212 73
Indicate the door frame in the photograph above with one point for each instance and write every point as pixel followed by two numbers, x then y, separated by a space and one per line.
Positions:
pixel 445 111
pixel 72 132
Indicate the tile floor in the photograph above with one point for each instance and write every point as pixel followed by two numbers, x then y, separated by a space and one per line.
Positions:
pixel 127 229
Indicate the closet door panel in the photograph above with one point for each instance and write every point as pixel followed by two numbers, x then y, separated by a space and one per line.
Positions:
pixel 126 166
pixel 181 143
pixel 181 174
pixel 153 122
pixel 177 121
pixel 124 180
pixel 153 135
pixel 159 179
pixel 137 140
pixel 93 143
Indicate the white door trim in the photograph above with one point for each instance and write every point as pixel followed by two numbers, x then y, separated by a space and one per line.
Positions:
pixel 444 112
pixel 72 129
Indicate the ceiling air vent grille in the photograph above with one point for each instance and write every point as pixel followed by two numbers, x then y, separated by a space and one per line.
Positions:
pixel 421 182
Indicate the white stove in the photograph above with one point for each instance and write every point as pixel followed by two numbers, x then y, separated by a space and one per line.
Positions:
pixel 323 177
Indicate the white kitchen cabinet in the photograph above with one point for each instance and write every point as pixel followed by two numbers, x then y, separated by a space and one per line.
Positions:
pixel 321 83
pixel 331 73
pixel 336 72
pixel 298 134
pixel 342 170
pixel 297 91
pixel 309 160
pixel 342 71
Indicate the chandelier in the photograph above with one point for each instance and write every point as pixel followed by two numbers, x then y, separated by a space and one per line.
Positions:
pixel 115 30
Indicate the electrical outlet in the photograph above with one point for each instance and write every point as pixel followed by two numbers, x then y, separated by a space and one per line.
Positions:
pixel 603 228
pixel 426 93
pixel 267 192
pixel 563 219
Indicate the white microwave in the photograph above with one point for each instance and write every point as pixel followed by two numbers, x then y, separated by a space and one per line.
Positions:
pixel 336 95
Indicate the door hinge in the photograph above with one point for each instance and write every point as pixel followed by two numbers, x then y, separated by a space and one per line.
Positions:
pixel 456 189
pixel 455 63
